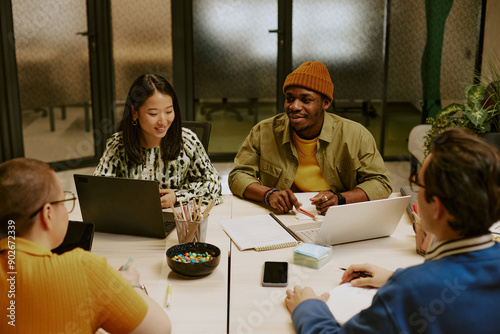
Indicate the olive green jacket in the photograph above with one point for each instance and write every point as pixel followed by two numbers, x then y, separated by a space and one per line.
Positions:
pixel 347 156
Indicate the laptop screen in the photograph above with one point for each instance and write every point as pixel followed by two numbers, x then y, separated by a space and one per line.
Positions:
pixel 121 205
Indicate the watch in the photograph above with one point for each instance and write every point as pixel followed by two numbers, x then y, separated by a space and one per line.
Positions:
pixel 140 286
pixel 341 198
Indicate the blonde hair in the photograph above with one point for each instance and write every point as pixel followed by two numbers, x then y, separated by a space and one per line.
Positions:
pixel 25 185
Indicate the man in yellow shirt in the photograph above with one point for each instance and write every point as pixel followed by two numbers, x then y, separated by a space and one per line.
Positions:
pixel 76 292
pixel 307 149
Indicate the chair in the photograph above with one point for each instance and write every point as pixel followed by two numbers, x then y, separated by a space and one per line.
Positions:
pixel 364 107
pixel 416 146
pixel 208 107
pixel 202 130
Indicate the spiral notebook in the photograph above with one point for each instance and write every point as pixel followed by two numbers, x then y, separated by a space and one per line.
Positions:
pixel 260 232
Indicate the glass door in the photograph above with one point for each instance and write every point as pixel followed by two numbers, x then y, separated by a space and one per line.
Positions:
pixel 140 46
pixel 348 37
pixel 54 79
pixel 234 68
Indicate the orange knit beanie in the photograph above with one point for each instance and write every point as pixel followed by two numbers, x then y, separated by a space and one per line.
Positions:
pixel 311 75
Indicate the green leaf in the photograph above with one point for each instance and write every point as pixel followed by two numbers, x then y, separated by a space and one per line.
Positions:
pixel 477 115
pixel 450 110
pixel 485 127
pixel 475 93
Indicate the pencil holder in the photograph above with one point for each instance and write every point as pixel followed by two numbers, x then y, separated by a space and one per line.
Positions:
pixel 191 230
pixel 423 240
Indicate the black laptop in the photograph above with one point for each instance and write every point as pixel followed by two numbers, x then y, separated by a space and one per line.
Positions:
pixel 123 206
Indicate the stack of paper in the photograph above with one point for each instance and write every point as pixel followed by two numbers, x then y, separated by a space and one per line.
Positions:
pixel 310 255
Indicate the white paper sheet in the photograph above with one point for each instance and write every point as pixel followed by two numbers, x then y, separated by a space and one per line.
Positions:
pixel 304 198
pixel 346 301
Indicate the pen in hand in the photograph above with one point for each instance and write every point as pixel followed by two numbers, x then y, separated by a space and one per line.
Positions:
pixel 127 264
pixel 360 273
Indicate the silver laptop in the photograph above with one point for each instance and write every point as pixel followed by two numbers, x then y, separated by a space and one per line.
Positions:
pixel 123 206
pixel 354 222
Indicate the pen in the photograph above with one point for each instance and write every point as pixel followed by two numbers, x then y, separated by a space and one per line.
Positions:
pixel 169 295
pixel 127 264
pixel 361 273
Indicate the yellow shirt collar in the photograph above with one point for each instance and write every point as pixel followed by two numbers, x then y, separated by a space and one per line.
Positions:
pixel 24 245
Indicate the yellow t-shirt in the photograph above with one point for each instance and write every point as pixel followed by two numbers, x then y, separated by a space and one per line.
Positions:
pixel 76 292
pixel 309 176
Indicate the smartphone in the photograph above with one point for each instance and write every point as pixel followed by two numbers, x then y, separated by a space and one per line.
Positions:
pixel 275 274
pixel 79 234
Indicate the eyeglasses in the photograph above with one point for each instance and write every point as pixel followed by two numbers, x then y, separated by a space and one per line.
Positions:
pixel 414 183
pixel 69 203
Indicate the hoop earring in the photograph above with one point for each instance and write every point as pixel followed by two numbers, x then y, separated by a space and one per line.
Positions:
pixel 134 122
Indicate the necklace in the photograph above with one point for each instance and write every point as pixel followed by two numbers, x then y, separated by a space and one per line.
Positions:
pixel 300 152
pixel 306 156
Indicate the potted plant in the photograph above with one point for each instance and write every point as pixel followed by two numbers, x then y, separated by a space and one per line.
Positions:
pixel 480 113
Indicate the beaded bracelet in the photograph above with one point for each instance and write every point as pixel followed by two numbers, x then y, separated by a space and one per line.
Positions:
pixel 268 194
pixel 265 194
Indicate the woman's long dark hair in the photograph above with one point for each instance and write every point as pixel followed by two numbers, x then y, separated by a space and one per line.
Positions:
pixel 142 88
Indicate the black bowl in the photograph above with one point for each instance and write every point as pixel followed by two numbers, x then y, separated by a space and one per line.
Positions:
pixel 193 269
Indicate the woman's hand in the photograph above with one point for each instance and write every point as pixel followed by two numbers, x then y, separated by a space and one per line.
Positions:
pixel 167 197
pixel 379 277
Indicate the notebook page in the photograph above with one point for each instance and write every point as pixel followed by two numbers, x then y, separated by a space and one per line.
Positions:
pixel 346 301
pixel 256 232
pixel 304 198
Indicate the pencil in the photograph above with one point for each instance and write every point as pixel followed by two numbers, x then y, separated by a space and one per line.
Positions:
pixel 183 210
pixel 193 209
pixel 175 212
pixel 360 273
pixel 306 213
pixel 208 208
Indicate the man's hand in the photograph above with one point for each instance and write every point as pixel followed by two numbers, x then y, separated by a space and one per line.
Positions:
pixel 323 200
pixel 298 295
pixel 379 278
pixel 167 197
pixel 283 200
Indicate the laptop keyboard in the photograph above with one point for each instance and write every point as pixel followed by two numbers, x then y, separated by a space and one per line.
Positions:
pixel 169 226
pixel 308 236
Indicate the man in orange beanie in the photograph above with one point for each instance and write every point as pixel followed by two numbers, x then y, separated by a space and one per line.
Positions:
pixel 306 149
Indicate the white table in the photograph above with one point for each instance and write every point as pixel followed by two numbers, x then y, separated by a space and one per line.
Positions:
pixel 257 309
pixel 199 305
pixel 202 305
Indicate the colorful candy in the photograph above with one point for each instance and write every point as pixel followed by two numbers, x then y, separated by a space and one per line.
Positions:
pixel 192 257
